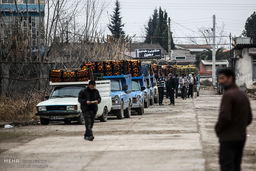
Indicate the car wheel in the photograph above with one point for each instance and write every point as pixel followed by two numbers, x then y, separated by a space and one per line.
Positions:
pixel 80 120
pixel 44 121
pixel 128 111
pixel 120 113
pixel 104 116
pixel 140 111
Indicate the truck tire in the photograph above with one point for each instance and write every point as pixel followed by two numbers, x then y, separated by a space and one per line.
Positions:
pixel 80 120
pixel 146 103
pixel 44 121
pixel 128 111
pixel 67 121
pixel 120 113
pixel 140 111
pixel 104 116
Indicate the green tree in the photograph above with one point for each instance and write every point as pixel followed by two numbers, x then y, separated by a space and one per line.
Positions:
pixel 207 55
pixel 157 29
pixel 250 27
pixel 116 25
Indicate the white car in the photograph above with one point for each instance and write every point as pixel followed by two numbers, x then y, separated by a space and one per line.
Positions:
pixel 63 104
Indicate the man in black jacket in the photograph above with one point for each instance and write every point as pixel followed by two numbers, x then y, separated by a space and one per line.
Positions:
pixel 89 99
pixel 234 117
pixel 171 86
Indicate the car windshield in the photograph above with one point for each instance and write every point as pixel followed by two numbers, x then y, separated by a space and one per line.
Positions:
pixel 115 86
pixel 135 86
pixel 69 91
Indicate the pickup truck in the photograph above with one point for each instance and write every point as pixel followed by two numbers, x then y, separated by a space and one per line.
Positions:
pixel 149 98
pixel 121 93
pixel 138 95
pixel 63 105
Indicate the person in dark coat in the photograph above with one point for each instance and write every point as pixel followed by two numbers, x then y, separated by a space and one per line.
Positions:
pixel 171 85
pixel 234 117
pixel 89 99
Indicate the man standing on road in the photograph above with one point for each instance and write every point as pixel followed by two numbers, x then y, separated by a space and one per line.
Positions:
pixel 171 85
pixel 89 99
pixel 191 86
pixel 234 117
pixel 161 84
pixel 182 82
pixel 195 85
pixel 177 85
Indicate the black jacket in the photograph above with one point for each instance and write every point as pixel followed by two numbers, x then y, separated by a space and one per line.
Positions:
pixel 171 83
pixel 89 95
pixel 235 115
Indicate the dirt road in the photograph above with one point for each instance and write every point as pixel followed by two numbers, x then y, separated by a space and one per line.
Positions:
pixel 179 138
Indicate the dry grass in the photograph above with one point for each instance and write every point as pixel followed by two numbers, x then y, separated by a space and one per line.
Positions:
pixel 18 109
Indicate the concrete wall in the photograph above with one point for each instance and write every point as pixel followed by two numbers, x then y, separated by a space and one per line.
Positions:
pixel 244 69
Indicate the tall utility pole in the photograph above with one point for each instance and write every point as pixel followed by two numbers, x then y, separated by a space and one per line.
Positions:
pixel 214 52
pixel 169 38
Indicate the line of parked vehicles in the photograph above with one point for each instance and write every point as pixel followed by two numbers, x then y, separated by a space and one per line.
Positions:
pixel 121 95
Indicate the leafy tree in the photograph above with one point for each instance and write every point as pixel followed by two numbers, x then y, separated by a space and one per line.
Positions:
pixel 250 27
pixel 207 55
pixel 116 26
pixel 157 29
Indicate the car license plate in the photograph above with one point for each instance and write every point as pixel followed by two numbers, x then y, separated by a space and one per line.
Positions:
pixel 57 117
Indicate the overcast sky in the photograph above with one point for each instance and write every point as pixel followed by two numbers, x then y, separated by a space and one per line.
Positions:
pixel 186 15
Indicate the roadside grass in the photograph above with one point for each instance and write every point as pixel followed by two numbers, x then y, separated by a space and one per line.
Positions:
pixel 19 108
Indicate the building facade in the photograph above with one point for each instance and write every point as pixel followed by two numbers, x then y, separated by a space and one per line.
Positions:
pixel 22 21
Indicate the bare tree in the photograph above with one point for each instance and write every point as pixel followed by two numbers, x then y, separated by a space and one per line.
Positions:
pixel 206 35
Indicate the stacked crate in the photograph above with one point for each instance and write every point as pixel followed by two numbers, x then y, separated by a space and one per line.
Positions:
pixel 69 75
pixel 56 75
pixel 134 68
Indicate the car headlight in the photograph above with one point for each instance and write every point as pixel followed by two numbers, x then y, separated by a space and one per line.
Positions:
pixel 115 100
pixel 42 108
pixel 71 107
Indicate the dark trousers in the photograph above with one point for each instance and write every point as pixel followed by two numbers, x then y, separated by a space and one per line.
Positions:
pixel 177 91
pixel 190 91
pixel 184 92
pixel 89 117
pixel 230 155
pixel 161 94
pixel 172 101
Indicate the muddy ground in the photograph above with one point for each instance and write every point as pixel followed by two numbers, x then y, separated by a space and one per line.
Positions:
pixel 177 138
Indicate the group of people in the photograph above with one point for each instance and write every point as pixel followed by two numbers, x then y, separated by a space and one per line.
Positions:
pixel 189 85
pixel 234 116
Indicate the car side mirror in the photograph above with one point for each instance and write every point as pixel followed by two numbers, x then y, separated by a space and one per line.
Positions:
pixel 143 88
pixel 125 87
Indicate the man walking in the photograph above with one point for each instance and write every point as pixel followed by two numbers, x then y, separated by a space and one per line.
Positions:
pixel 235 115
pixel 89 99
pixel 171 85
